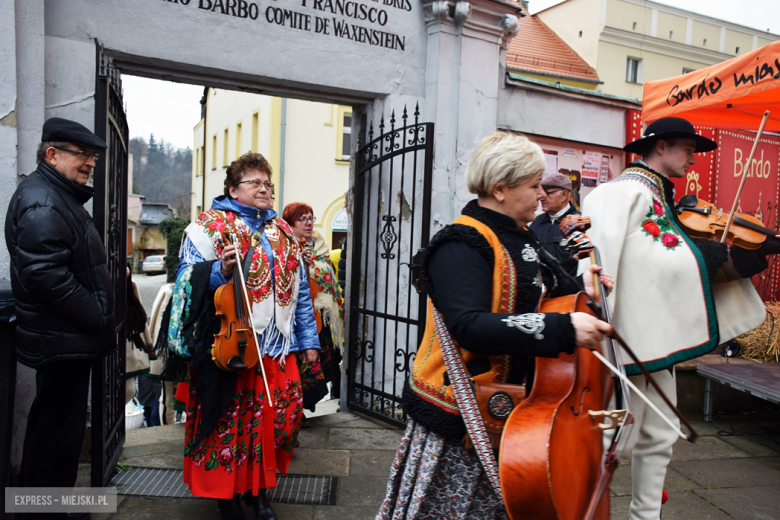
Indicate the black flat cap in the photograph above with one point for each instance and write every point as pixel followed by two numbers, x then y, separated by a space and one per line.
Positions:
pixel 56 129
pixel 670 128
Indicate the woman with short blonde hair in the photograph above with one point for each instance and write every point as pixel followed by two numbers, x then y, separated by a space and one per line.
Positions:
pixel 503 158
pixel 434 475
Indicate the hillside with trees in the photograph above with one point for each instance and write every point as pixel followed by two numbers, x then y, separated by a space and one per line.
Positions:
pixel 162 173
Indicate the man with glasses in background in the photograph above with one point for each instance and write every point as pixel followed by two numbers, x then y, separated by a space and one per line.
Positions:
pixel 64 298
pixel 555 206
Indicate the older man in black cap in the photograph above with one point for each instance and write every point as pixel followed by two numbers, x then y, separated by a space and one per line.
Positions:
pixel 675 297
pixel 547 225
pixel 64 298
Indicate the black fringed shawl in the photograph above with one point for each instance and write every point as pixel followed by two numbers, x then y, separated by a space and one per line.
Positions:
pixel 214 388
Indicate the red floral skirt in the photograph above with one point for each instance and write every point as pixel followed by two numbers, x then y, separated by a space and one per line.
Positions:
pixel 250 443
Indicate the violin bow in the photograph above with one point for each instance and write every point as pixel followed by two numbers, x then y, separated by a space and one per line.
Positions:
pixel 252 322
pixel 748 166
pixel 596 308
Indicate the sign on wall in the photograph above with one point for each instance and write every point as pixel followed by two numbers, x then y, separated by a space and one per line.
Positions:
pixel 340 221
pixel 364 22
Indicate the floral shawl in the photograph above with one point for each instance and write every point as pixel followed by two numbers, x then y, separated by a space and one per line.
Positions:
pixel 328 302
pixel 273 297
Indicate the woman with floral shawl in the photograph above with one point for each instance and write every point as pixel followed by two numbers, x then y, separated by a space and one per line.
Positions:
pixel 235 441
pixel 328 306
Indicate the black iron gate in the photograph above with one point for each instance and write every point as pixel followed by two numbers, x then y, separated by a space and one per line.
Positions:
pixel 392 213
pixel 110 216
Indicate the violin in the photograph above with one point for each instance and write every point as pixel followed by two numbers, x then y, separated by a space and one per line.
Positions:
pixel 702 219
pixel 235 346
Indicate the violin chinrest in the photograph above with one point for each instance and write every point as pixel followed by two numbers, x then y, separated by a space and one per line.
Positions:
pixel 236 363
pixel 688 201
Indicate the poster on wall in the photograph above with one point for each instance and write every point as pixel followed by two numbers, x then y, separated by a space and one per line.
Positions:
pixel 586 165
pixel 605 173
pixel 551 161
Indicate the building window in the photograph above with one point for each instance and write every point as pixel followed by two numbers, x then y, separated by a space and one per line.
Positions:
pixel 687 70
pixel 634 27
pixel 671 34
pixel 633 70
pixel 225 148
pixel 705 42
pixel 580 34
pixel 344 136
pixel 736 51
pixel 256 132
pixel 214 153
pixel 198 163
pixel 238 140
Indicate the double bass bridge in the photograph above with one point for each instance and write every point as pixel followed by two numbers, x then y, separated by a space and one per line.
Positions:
pixel 615 417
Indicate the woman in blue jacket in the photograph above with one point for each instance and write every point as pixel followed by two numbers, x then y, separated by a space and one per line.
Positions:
pixel 235 441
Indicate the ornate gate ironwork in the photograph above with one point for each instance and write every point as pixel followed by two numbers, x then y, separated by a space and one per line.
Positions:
pixel 110 217
pixel 392 213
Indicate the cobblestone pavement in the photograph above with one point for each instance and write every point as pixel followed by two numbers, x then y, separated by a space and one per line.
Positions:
pixel 719 477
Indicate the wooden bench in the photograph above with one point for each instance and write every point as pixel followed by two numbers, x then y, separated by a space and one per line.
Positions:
pixel 759 379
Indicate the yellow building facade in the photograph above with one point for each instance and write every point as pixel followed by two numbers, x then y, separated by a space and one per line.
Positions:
pixel 630 42
pixel 307 144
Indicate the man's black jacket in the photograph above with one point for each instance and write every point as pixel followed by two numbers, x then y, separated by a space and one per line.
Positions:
pixel 550 237
pixel 62 287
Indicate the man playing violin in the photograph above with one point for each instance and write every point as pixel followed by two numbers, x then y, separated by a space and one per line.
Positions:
pixel 676 297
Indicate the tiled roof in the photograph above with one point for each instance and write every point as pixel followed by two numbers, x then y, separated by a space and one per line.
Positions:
pixel 152 213
pixel 537 49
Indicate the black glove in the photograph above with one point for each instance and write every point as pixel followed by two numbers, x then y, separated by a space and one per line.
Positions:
pixel 715 254
pixel 771 246
pixel 746 262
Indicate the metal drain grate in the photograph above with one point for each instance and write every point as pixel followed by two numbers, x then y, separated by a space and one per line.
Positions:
pixel 168 483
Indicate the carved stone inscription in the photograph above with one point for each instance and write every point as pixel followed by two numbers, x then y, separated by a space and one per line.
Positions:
pixel 362 21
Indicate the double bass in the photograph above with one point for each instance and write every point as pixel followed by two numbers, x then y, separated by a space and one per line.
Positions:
pixel 552 449
pixel 552 461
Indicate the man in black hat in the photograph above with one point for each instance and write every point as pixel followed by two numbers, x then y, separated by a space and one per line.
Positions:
pixel 675 298
pixel 547 225
pixel 64 298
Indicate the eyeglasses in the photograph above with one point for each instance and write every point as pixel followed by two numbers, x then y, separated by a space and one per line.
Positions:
pixel 304 220
pixel 257 184
pixel 551 191
pixel 86 155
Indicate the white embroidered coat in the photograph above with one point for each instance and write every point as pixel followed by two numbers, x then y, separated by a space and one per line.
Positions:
pixel 663 304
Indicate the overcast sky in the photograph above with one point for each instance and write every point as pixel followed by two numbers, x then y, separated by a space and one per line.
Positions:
pixel 171 110
pixel 168 110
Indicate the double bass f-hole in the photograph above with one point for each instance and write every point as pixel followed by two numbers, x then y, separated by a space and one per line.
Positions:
pixel 582 399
